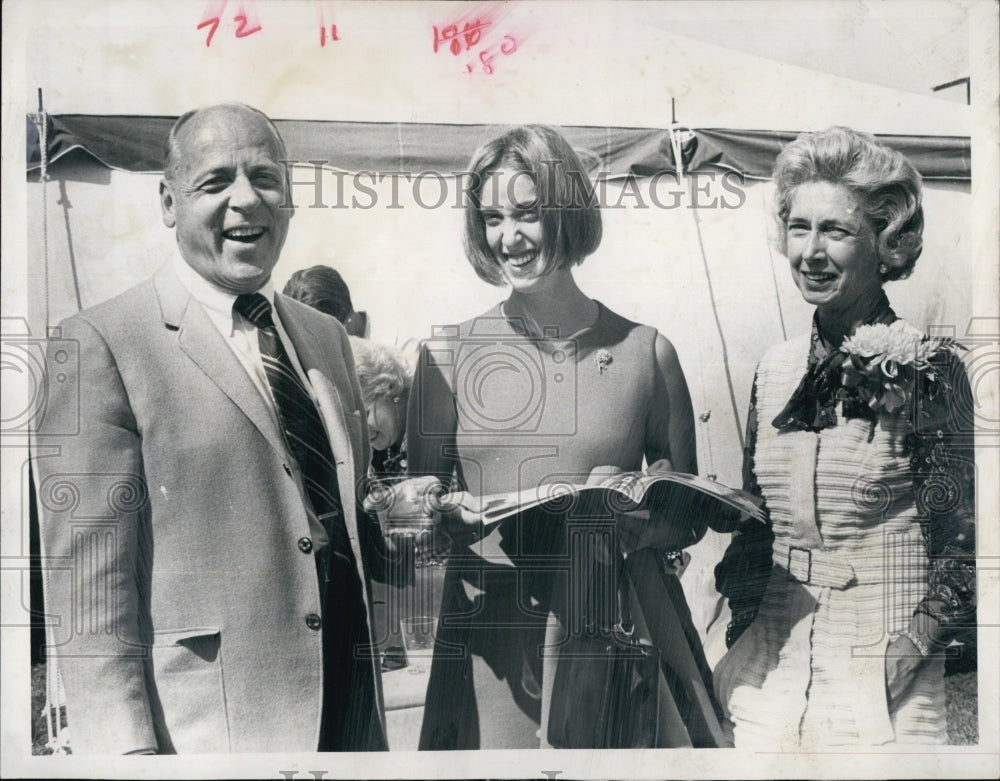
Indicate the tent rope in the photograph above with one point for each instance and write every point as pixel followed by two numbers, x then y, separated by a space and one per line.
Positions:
pixel 677 148
pixel 774 280
pixel 676 143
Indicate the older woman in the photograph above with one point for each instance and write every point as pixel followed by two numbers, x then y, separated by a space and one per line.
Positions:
pixel 385 377
pixel 859 442
pixel 548 386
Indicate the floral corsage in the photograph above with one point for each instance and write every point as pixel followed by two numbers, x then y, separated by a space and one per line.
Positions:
pixel 885 365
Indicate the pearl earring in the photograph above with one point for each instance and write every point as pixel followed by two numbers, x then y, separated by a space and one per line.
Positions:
pixel 882 268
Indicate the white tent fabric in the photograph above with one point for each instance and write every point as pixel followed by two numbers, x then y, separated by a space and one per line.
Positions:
pixel 707 278
pixel 589 63
pixel 406 268
pixel 597 64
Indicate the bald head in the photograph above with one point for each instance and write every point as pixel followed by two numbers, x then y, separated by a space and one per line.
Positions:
pixel 222 113
pixel 224 189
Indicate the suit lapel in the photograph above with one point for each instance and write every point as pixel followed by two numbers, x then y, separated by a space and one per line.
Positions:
pixel 332 411
pixel 201 341
pixel 308 350
pixel 316 363
pixel 317 366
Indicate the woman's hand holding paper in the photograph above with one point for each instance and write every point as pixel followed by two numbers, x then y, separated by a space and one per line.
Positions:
pixel 461 516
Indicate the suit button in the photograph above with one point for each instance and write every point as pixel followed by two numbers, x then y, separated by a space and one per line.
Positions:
pixel 313 621
pixel 305 545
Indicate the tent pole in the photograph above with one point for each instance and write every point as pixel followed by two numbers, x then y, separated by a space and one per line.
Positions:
pixel 41 121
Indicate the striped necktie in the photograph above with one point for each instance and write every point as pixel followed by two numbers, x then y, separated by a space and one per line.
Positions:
pixel 302 425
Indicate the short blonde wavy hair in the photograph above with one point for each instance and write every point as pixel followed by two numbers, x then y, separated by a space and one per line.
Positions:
pixel 382 370
pixel 886 184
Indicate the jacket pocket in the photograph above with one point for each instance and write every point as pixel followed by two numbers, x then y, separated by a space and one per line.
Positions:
pixel 190 687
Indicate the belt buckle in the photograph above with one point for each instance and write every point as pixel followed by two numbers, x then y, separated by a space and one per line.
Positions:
pixel 798 563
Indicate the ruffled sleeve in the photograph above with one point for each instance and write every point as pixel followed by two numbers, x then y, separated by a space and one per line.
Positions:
pixel 942 459
pixel 745 568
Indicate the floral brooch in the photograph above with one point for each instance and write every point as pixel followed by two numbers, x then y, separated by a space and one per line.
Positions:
pixel 886 363
pixel 603 359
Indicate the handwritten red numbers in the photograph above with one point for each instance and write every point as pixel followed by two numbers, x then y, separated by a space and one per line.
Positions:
pixel 241 29
pixel 472 32
pixel 246 23
pixel 471 35
pixel 333 34
pixel 509 46
pixel 214 23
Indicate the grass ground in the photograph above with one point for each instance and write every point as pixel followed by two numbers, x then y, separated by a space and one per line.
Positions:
pixel 39 733
pixel 961 688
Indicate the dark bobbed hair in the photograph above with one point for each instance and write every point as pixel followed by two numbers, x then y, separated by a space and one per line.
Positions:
pixel 886 185
pixel 568 208
pixel 171 152
pixel 322 288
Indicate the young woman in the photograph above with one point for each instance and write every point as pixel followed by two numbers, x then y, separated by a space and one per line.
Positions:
pixel 549 386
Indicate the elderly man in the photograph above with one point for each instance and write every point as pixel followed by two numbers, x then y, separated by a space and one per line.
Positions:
pixel 203 553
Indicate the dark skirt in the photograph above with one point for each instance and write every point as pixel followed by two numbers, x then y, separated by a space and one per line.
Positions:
pixel 485 688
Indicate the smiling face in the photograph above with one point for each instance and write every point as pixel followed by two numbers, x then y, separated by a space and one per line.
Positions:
pixel 831 249
pixel 385 421
pixel 225 197
pixel 513 227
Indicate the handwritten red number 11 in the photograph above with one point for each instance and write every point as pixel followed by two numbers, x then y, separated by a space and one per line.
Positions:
pixel 333 34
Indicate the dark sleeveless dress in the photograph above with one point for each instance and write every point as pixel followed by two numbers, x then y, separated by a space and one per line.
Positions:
pixel 500 411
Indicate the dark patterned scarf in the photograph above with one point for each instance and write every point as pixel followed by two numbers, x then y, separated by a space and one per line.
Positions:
pixel 813 405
